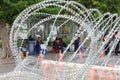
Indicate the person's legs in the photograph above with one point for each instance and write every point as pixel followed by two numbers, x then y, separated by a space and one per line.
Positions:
pixel 60 49
pixel 57 50
pixel 64 48
pixel 116 51
pixel 106 52
pixel 107 49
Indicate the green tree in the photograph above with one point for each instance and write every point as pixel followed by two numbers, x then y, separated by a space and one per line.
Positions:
pixel 9 10
pixel 104 6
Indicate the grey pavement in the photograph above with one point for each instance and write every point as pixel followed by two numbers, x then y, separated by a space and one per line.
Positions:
pixel 7 65
pixel 0 51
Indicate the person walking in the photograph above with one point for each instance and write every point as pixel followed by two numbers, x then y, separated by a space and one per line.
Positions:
pixel 115 36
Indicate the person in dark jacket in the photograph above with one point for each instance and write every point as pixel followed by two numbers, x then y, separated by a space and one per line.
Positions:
pixel 37 46
pixel 59 38
pixel 57 45
pixel 63 44
pixel 107 45
pixel 115 36
pixel 77 44
pixel 107 48
pixel 30 38
pixel 117 48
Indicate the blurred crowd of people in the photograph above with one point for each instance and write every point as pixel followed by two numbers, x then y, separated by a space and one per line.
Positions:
pixel 58 45
pixel 115 40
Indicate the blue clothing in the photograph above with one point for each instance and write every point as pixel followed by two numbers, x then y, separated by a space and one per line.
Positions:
pixel 77 44
pixel 37 48
pixel 82 47
pixel 30 46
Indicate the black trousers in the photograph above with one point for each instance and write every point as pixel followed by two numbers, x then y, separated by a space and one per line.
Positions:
pixel 117 51
pixel 106 52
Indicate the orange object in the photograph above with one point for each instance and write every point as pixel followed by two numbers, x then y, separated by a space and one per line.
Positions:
pixel 102 55
pixel 41 57
pixel 92 73
pixel 60 55
pixel 111 64
pixel 21 54
pixel 80 55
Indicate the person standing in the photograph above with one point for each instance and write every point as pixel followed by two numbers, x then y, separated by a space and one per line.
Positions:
pixel 107 48
pixel 115 36
pixel 37 46
pixel 61 42
pixel 117 48
pixel 107 45
pixel 57 45
pixel 77 44
pixel 59 38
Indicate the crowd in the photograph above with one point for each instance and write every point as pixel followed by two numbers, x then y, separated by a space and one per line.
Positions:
pixel 107 45
pixel 58 45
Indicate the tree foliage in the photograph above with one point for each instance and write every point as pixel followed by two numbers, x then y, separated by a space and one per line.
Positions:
pixel 104 6
pixel 9 9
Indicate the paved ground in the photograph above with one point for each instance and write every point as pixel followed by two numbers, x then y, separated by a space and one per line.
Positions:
pixel 7 65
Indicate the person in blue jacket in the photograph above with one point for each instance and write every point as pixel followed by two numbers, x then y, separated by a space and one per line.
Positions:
pixel 37 46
